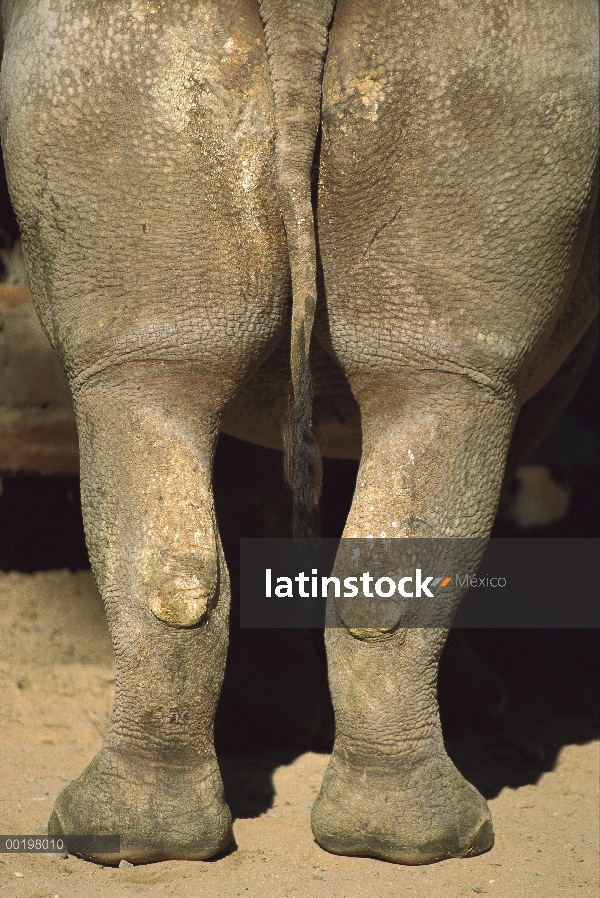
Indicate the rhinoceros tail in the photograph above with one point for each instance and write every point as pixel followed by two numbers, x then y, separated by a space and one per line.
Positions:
pixel 297 37
pixel 302 459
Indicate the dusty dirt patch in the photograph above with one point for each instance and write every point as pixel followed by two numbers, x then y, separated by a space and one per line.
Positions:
pixel 56 680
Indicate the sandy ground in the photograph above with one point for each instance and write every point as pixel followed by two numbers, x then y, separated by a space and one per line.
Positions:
pixel 56 680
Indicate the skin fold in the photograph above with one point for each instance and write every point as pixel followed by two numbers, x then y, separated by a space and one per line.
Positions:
pixel 168 172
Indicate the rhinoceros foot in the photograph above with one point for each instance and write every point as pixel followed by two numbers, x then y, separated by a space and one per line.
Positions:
pixel 160 811
pixel 416 815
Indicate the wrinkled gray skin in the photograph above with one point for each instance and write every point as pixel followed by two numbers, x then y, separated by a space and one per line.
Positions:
pixel 456 189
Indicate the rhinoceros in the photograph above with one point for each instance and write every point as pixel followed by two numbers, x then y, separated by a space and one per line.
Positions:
pixel 397 195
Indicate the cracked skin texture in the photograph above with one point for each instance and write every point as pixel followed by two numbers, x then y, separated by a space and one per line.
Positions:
pixel 456 188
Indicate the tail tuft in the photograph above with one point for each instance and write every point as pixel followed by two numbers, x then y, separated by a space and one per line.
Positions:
pixel 302 460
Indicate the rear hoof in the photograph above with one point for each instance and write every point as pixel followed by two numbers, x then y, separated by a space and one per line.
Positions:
pixel 394 821
pixel 159 813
